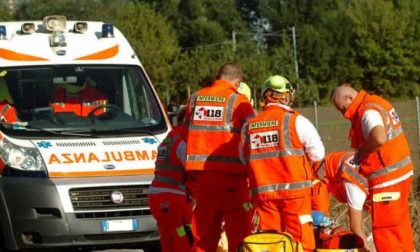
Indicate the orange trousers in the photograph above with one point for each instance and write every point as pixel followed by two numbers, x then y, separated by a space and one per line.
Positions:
pixel 320 198
pixel 292 215
pixel 391 222
pixel 220 197
pixel 172 213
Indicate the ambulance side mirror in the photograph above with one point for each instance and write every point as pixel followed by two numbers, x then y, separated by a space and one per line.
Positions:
pixel 172 110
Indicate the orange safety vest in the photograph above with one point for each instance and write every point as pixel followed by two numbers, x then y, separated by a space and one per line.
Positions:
pixel 392 160
pixel 335 168
pixel 7 112
pixel 81 103
pixel 215 116
pixel 278 165
pixel 169 171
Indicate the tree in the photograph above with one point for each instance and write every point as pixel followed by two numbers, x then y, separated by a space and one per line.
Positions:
pixel 152 38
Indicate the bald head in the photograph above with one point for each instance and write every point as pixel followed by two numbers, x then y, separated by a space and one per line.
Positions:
pixel 231 73
pixel 343 96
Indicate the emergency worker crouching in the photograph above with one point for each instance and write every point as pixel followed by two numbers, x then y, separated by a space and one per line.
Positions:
pixel 278 146
pixel 80 99
pixel 169 203
pixel 337 174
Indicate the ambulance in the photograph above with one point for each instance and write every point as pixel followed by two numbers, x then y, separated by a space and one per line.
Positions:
pixel 80 123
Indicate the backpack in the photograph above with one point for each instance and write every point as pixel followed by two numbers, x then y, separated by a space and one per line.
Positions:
pixel 269 241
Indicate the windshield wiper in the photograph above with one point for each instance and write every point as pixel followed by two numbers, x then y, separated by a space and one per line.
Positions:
pixel 27 127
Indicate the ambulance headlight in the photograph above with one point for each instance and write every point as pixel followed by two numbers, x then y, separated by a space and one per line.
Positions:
pixel 54 23
pixel 19 157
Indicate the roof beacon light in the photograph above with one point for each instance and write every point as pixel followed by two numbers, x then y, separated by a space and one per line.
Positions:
pixel 107 31
pixel 57 39
pixel 2 32
pixel 55 23
pixel 80 27
pixel 27 28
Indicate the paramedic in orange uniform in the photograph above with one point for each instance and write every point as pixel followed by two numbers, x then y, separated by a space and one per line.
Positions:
pixel 384 157
pixel 8 113
pixel 80 100
pixel 337 174
pixel 279 145
pixel 215 116
pixel 168 200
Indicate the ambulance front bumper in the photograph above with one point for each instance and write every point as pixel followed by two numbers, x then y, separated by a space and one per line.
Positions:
pixel 40 213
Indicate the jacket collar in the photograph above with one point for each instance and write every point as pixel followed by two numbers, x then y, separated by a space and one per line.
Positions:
pixel 355 104
pixel 278 105
pixel 223 84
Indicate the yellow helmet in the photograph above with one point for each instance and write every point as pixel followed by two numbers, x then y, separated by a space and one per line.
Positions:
pixel 279 84
pixel 246 90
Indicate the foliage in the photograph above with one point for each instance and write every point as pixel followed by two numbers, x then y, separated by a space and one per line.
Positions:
pixel 372 44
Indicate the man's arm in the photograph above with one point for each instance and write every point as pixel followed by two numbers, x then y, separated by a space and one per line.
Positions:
pixel 373 132
pixel 308 135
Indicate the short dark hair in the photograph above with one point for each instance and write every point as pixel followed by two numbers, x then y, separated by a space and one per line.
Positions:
pixel 230 72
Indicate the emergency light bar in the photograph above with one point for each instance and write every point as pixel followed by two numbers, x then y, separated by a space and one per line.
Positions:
pixel 107 31
pixel 2 32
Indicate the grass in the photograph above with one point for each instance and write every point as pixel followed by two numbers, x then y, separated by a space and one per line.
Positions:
pixel 339 213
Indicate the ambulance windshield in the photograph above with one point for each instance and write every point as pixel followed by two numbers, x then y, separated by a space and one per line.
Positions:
pixel 78 98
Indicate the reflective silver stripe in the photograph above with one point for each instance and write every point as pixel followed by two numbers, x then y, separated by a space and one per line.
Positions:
pixel 286 131
pixel 321 169
pixel 390 132
pixel 229 108
pixel 5 109
pixel 156 190
pixel 278 187
pixel 351 171
pixel 245 143
pixel 192 109
pixel 390 168
pixel 279 153
pixel 169 180
pixel 227 128
pixel 247 118
pixel 355 175
pixel 169 167
pixel 204 158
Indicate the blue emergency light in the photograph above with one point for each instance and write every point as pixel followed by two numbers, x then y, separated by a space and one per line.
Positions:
pixel 107 31
pixel 2 32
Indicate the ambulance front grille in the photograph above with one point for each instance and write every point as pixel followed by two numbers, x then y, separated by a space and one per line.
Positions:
pixel 99 198
pixel 121 142
pixel 75 144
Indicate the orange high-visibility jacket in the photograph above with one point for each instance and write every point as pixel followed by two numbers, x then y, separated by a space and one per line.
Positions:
pixel 278 165
pixel 215 115
pixel 7 112
pixel 169 171
pixel 335 168
pixel 392 159
pixel 81 103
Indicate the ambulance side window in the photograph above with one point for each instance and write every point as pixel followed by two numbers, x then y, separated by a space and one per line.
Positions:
pixel 141 101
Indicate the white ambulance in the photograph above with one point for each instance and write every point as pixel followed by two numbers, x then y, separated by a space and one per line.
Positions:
pixel 79 128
